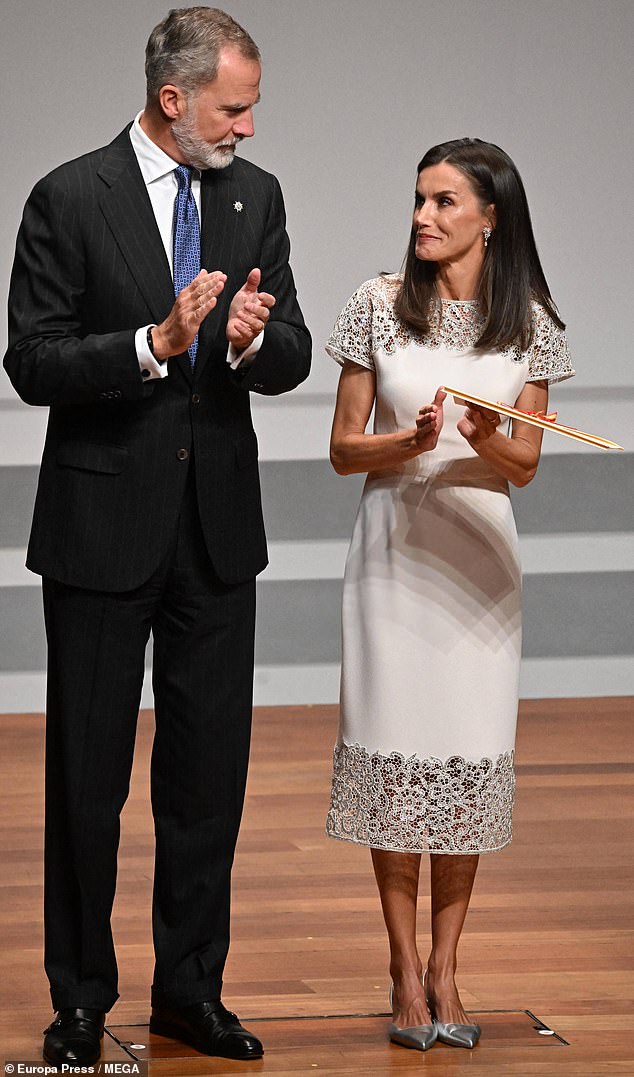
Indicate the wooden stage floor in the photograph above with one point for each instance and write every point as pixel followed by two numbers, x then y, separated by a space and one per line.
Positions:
pixel 547 943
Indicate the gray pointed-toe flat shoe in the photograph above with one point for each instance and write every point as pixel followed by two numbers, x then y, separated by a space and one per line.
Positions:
pixel 419 1037
pixel 458 1035
pixel 452 1034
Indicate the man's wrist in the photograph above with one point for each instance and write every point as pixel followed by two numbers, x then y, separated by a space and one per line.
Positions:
pixel 241 358
pixel 156 344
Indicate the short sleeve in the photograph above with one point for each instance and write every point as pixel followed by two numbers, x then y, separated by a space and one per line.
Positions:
pixel 351 337
pixel 548 355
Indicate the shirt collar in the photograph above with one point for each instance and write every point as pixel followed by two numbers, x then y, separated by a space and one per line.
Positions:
pixel 153 161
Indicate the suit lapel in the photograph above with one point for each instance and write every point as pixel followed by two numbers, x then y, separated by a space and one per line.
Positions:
pixel 127 208
pixel 220 231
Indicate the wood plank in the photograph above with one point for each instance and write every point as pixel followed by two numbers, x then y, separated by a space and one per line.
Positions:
pixel 549 929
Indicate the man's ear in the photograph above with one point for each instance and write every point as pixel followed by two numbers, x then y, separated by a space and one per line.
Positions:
pixel 172 102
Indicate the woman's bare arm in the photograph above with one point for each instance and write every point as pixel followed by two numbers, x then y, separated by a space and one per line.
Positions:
pixel 352 450
pixel 515 457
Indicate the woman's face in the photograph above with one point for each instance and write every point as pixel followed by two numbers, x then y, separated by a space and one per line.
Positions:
pixel 448 216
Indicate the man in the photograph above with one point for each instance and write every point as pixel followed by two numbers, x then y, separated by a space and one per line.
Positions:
pixel 148 514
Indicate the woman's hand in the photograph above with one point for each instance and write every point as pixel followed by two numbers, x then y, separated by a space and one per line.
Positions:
pixel 429 422
pixel 352 450
pixel 478 425
pixel 516 457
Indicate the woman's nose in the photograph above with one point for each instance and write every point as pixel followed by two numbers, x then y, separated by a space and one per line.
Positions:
pixel 422 216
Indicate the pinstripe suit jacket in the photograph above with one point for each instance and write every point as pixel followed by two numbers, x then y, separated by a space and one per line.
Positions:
pixel 90 268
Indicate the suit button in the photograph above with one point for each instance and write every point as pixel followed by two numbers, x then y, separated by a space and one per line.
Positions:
pixel 195 398
pixel 258 385
pixel 182 454
pixel 116 394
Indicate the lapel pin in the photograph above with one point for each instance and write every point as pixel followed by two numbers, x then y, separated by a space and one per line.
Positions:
pixel 238 207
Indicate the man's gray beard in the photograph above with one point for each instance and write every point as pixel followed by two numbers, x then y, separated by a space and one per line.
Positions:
pixel 198 153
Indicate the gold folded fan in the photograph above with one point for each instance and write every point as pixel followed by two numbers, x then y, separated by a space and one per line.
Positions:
pixel 532 420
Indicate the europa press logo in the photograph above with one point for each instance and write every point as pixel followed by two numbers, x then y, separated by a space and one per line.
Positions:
pixel 44 1069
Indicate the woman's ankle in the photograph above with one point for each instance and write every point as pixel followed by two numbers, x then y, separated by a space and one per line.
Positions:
pixel 406 972
pixel 441 969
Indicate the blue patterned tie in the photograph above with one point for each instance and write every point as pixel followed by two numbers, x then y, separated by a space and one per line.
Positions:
pixel 186 240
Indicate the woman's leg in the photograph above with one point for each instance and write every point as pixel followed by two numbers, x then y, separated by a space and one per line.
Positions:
pixel 451 885
pixel 397 879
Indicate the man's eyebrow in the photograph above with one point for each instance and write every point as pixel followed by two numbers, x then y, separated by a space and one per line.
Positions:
pixel 239 106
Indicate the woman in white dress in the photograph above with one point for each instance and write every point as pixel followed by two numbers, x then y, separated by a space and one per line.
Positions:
pixel 432 589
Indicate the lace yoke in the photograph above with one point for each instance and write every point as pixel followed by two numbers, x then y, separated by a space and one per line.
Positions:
pixel 367 324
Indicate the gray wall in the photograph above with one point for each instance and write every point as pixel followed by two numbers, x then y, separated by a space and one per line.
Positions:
pixel 353 92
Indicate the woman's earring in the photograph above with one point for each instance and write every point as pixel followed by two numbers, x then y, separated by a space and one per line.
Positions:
pixel 487 233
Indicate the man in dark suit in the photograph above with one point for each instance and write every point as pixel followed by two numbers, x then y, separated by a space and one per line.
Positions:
pixel 148 513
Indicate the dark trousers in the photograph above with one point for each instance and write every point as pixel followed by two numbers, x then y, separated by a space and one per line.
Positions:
pixel 203 679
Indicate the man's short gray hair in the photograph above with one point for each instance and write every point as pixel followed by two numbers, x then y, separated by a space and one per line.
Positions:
pixel 184 49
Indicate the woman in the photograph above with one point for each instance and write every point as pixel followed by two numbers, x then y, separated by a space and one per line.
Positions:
pixel 431 607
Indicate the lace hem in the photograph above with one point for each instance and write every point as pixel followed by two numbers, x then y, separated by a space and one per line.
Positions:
pixel 421 805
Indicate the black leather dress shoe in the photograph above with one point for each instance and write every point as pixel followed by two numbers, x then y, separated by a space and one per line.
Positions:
pixel 74 1037
pixel 208 1027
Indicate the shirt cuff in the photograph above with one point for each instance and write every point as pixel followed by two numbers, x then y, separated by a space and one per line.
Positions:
pixel 244 358
pixel 149 366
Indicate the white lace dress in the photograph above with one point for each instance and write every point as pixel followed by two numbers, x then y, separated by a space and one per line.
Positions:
pixel 432 595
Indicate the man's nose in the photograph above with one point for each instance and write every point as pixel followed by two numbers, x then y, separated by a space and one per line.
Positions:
pixel 244 125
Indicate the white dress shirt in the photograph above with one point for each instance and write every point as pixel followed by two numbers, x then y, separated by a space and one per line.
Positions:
pixel 158 171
